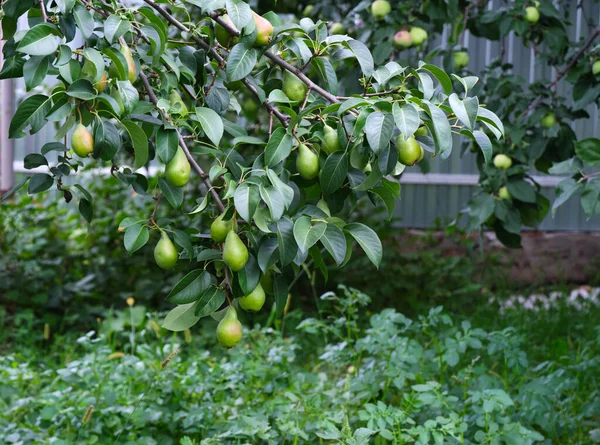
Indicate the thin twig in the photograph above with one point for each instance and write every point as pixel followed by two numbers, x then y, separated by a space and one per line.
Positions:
pixel 305 99
pixel 43 8
pixel 157 199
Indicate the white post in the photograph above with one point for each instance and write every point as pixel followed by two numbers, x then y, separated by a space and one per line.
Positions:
pixel 7 106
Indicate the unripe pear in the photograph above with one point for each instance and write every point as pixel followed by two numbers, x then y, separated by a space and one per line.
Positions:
pixel 177 103
pixel 402 39
pixel 380 9
pixel 502 161
pixel 308 10
pixel 532 14
pixel 596 67
pixel 548 120
pixel 421 131
pixel 461 59
pixel 235 253
pixel 131 70
pixel 264 28
pixel 293 87
pixel 165 253
pixel 266 281
pixel 229 329
pixel 219 229
pixel 178 169
pixel 307 162
pixel 503 193
pixel 82 141
pixel 337 28
pixel 409 150
pixel 254 301
pixel 222 35
pixel 331 140
pixel 419 35
pixel 101 83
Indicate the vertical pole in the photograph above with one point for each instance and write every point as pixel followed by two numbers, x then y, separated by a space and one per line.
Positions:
pixel 7 105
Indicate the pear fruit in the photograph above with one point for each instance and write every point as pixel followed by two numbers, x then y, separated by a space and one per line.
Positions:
pixel 502 162
pixel 82 141
pixel 380 9
pixel 532 14
pixel 548 120
pixel 331 140
pixel 402 39
pixel 308 10
pixel 229 329
pixel 293 87
pixel 337 28
pixel 419 35
pixel 177 104
pixel 421 131
pixel 219 229
pixel 503 193
pixel 307 162
pixel 131 70
pixel 596 67
pixel 222 35
pixel 235 253
pixel 264 28
pixel 461 59
pixel 178 169
pixel 254 301
pixel 165 253
pixel 266 282
pixel 101 83
pixel 409 150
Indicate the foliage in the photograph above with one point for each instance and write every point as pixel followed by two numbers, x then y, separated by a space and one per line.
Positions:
pixel 164 85
pixel 433 379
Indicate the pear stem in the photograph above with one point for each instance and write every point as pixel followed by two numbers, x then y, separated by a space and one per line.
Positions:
pixel 157 199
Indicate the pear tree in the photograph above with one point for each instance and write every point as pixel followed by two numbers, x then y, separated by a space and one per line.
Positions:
pixel 164 85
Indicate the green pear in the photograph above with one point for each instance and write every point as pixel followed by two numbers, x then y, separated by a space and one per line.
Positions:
pixel 549 120
pixel 254 301
pixel 380 9
pixel 596 67
pixel 101 83
pixel 461 59
pixel 419 35
pixel 178 169
pixel 222 35
pixel 421 131
pixel 293 87
pixel 229 329
pixel 177 104
pixel 308 10
pixel 330 137
pixel 307 162
pixel 409 150
pixel 165 253
pixel 266 281
pixel 219 229
pixel 337 28
pixel 235 253
pixel 502 162
pixel 131 69
pixel 503 193
pixel 82 141
pixel 264 28
pixel 532 14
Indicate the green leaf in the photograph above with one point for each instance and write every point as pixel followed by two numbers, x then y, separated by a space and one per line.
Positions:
pixel 84 20
pixel 564 190
pixel 119 62
pixel 440 75
pixel 491 120
pixel 278 148
pixel 136 237
pixel 211 300
pixel 35 70
pixel 191 287
pixel 521 190
pixel 81 89
pixel 211 124
pixel 167 143
pixel 591 197
pixel 388 199
pixel 181 317
pixel 335 242
pixel 34 160
pixel 589 151
pixel 239 12
pixel 246 200
pixel 274 200
pixel 368 240
pixel 441 131
pixel 31 111
pixel 481 208
pixel 13 67
pixel 280 292
pixel 40 182
pixel 53 146
pixel 334 172
pixel 363 55
pixel 241 61
pixel 288 248
pixel 107 139
pixel 115 27
pixel 41 40
pixel 465 110
pixel 407 118
pixel 139 141
pixel 249 276
pixel 266 253
pixel 306 234
pixel 129 95
pixel 286 191
pixel 485 144
pixel 173 194
pixel 94 56
pixel 351 103
pixel 379 129
pixel 13 190
pixel 86 210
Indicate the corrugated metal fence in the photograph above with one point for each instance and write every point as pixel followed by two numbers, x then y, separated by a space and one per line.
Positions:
pixel 427 199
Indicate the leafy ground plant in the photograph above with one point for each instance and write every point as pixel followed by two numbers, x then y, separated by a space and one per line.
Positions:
pixel 340 379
